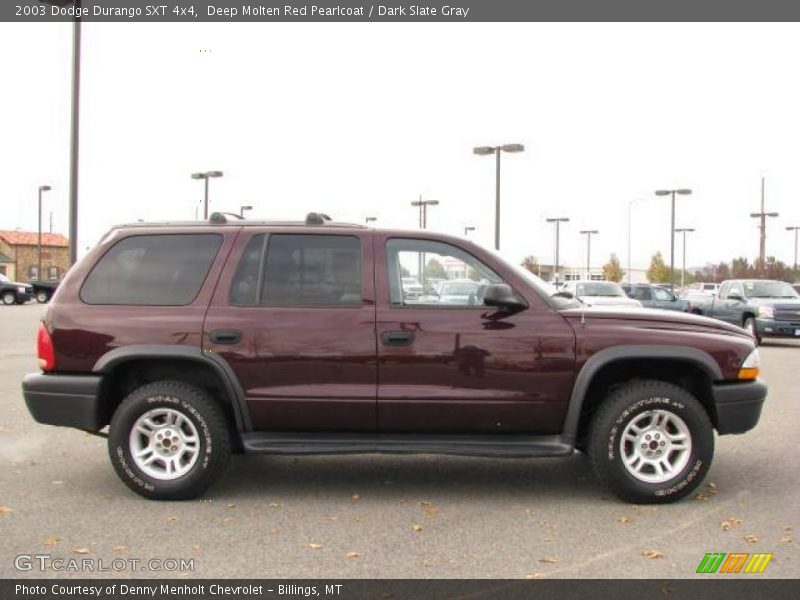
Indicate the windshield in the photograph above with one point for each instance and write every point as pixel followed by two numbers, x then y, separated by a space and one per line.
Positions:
pixel 599 288
pixel 768 289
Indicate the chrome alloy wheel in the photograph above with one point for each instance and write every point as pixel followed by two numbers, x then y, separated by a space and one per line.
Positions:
pixel 655 446
pixel 164 443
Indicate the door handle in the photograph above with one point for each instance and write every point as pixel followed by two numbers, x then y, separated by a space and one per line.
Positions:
pixel 225 336
pixel 397 338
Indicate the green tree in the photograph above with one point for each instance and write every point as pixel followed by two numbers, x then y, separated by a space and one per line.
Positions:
pixel 742 269
pixel 611 270
pixel 658 272
pixel 435 270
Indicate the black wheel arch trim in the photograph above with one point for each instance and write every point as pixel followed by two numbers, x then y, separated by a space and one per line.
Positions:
pixel 217 363
pixel 617 353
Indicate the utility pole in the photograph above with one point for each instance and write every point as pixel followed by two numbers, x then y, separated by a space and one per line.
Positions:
pixel 205 176
pixel 795 229
pixel 496 150
pixel 42 188
pixel 762 251
pixel 682 192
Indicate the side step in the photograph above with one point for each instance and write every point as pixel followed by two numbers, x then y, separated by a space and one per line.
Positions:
pixel 405 443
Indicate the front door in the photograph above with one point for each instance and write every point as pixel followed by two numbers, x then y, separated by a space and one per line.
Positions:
pixel 294 316
pixel 446 365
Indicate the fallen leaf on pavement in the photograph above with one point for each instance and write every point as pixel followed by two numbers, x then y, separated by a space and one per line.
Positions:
pixel 231 505
pixel 786 540
pixel 702 497
pixel 416 527
pixel 173 519
pixel 315 546
pixel 650 554
pixel 353 554
pixel 751 538
pixel 51 541
pixel 624 520
pixel 119 548
pixel 5 509
pixel 80 550
pixel 730 523
pixel 430 511
pixel 274 505
pixel 548 560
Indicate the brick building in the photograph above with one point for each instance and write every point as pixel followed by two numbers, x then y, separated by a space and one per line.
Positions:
pixel 19 256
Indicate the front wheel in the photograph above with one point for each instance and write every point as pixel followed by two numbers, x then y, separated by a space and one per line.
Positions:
pixel 750 326
pixel 168 440
pixel 9 298
pixel 651 442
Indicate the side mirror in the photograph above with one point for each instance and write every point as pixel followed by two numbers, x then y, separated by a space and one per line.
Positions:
pixel 500 295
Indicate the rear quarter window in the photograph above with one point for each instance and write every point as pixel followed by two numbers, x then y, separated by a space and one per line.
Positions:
pixel 152 270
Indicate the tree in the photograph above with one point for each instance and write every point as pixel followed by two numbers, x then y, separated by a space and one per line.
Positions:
pixel 741 268
pixel 658 272
pixel 435 270
pixel 531 263
pixel 611 270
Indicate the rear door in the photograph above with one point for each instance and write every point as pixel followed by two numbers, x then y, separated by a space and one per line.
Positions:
pixel 294 316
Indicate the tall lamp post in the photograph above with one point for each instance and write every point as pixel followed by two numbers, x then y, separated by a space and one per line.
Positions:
pixel 496 150
pixel 680 192
pixel 762 249
pixel 795 229
pixel 684 231
pixel 42 188
pixel 588 233
pixel 423 210
pixel 557 221
pixel 467 230
pixel 206 175
pixel 74 128
pixel 243 208
pixel 371 220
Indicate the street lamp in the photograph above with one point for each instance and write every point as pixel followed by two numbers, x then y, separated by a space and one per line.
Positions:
pixel 496 150
pixel 558 222
pixel 588 233
pixel 467 230
pixel 371 219
pixel 206 176
pixel 795 229
pixel 244 208
pixel 74 127
pixel 680 192
pixel 423 210
pixel 42 188
pixel 684 231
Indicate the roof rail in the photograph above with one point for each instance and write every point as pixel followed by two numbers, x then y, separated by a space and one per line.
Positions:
pixel 313 218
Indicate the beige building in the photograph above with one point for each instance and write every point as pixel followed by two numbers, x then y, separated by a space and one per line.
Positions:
pixel 19 256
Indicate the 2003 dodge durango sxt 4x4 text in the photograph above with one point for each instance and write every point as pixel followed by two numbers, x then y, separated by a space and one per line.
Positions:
pixel 193 340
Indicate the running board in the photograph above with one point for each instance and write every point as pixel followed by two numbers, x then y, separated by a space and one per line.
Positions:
pixel 405 443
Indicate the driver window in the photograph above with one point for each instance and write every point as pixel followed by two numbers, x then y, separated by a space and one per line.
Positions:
pixel 662 295
pixel 735 290
pixel 430 273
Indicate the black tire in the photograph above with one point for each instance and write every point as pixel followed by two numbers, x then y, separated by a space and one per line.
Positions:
pixel 750 326
pixel 42 297
pixel 195 405
pixel 613 417
pixel 9 298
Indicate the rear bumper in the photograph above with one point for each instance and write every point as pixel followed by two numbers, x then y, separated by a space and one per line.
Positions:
pixel 738 405
pixel 65 400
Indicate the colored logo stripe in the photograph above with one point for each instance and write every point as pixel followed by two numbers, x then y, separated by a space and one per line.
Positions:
pixel 758 562
pixel 717 561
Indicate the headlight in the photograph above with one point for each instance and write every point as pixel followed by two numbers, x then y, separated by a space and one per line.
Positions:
pixel 21 289
pixel 751 366
pixel 766 312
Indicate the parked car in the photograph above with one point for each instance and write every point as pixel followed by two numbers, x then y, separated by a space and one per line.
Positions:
pixel 44 290
pixel 796 287
pixel 412 288
pixel 599 293
pixel 460 291
pixel 763 307
pixel 702 286
pixel 655 296
pixel 190 341
pixel 14 292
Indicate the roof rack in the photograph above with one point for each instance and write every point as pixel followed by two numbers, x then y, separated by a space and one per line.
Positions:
pixel 313 218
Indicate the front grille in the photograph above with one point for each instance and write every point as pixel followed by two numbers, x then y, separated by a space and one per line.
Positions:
pixel 787 315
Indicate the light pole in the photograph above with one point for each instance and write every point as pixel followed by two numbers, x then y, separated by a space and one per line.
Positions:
pixel 74 127
pixel 558 222
pixel 588 233
pixel 244 208
pixel 496 150
pixel 423 210
pixel 795 229
pixel 680 192
pixel 42 188
pixel 206 175
pixel 684 231
pixel 467 230
pixel 371 220
pixel 762 250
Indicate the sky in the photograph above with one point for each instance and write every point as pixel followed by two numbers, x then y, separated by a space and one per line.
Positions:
pixel 360 119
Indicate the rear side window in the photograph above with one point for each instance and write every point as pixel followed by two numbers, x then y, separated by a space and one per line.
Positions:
pixel 152 270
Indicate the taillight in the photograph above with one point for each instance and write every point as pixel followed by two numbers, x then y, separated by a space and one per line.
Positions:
pixel 45 350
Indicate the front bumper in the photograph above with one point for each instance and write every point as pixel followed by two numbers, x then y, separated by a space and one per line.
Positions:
pixel 65 400
pixel 773 328
pixel 738 405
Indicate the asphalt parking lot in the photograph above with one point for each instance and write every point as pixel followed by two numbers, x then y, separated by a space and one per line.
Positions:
pixel 390 516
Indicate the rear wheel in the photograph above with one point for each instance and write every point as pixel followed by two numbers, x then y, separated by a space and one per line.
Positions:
pixel 42 297
pixel 651 442
pixel 169 441
pixel 9 298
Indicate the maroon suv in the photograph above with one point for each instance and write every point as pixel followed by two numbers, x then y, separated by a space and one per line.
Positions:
pixel 193 340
